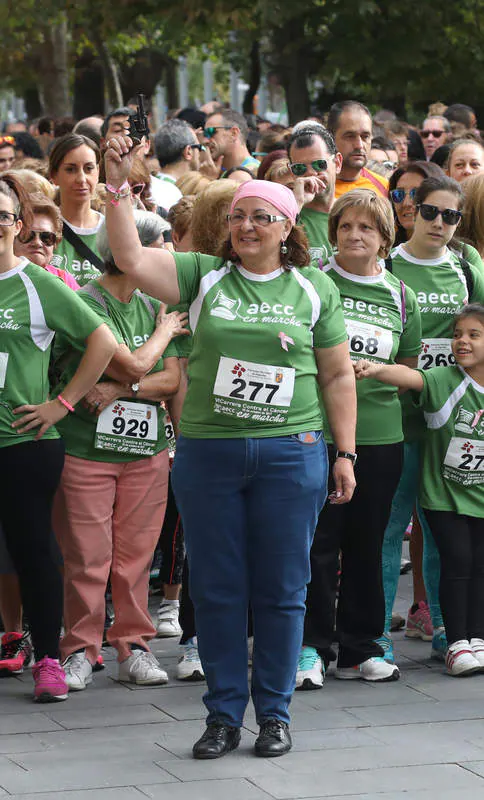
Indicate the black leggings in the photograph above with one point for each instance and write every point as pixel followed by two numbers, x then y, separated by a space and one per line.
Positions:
pixel 356 529
pixel 29 475
pixel 460 542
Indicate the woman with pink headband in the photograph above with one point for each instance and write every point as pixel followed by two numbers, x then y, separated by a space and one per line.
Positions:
pixel 251 466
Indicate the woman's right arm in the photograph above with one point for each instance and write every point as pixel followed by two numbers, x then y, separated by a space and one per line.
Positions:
pixel 153 270
pixel 397 375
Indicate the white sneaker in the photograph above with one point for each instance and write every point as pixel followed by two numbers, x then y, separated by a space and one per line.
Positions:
pixel 374 669
pixel 460 659
pixel 477 647
pixel 168 624
pixel 189 667
pixel 310 670
pixel 142 668
pixel 78 671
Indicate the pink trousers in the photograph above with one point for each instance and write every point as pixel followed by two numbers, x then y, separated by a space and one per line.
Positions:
pixel 107 519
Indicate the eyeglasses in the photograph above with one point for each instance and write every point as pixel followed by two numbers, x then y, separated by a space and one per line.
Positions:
pixel 299 169
pixel 46 237
pixel 7 140
pixel 259 219
pixel 211 130
pixel 390 164
pixel 399 195
pixel 200 147
pixel 7 218
pixel 449 215
pixel 436 134
pixel 137 188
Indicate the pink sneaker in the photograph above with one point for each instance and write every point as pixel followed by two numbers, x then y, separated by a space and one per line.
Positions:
pixel 50 681
pixel 419 624
pixel 15 653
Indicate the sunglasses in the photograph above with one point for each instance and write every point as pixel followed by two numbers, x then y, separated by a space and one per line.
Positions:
pixel 450 216
pixel 212 129
pixel 399 195
pixel 299 169
pixel 137 188
pixel 200 147
pixel 259 219
pixel 435 134
pixel 7 140
pixel 46 237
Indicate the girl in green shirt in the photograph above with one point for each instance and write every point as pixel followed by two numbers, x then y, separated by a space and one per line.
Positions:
pixel 452 479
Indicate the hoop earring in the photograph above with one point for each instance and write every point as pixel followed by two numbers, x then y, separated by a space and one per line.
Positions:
pixel 284 249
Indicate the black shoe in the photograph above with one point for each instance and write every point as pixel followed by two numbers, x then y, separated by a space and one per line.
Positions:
pixel 217 740
pixel 273 740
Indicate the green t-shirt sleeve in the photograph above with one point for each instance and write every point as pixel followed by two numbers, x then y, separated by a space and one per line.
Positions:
pixel 330 328
pixel 472 256
pixel 101 313
pixel 411 338
pixel 478 291
pixel 65 311
pixel 431 397
pixel 190 268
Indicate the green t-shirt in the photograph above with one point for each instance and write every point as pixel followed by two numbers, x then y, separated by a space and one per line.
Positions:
pixel 252 370
pixel 375 308
pixel 131 323
pixel 441 290
pixel 65 257
pixel 452 466
pixel 315 224
pixel 183 344
pixel 35 304
pixel 470 254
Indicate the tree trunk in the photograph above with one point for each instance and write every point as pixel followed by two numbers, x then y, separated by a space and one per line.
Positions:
pixel 110 69
pixel 88 86
pixel 254 79
pixel 171 84
pixel 53 72
pixel 290 59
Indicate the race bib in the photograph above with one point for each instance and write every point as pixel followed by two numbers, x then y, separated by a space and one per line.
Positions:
pixel 125 427
pixel 257 392
pixel 464 461
pixel 436 353
pixel 369 341
pixel 3 368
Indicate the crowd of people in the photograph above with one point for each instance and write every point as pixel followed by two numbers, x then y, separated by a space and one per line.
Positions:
pixel 251 355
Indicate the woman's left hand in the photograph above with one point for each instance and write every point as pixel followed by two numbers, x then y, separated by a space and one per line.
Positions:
pixel 344 482
pixel 102 395
pixel 42 416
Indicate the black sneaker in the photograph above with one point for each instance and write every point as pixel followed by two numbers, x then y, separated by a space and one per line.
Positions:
pixel 273 740
pixel 217 740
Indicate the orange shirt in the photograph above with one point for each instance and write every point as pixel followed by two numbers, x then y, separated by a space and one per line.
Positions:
pixel 367 180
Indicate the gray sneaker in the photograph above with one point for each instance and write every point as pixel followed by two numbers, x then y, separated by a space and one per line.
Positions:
pixel 142 668
pixel 78 671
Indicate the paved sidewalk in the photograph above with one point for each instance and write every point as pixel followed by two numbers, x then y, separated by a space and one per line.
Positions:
pixel 422 737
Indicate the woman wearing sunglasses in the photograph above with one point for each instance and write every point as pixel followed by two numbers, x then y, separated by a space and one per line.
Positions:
pixel 250 469
pixel 37 243
pixel 443 283
pixel 403 186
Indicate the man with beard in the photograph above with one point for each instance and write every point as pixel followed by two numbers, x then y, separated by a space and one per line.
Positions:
pixel 350 124
pixel 226 133
pixel 312 152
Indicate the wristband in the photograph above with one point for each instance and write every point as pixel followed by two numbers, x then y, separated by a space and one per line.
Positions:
pixel 350 456
pixel 118 193
pixel 65 403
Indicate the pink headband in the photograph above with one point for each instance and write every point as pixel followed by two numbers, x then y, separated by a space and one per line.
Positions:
pixel 275 193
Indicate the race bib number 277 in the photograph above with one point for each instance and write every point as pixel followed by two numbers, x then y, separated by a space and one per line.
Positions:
pixel 257 392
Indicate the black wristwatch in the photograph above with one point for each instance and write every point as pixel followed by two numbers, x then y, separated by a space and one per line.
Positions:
pixel 343 454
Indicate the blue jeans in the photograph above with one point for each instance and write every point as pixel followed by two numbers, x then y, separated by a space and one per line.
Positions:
pixel 249 509
pixel 403 505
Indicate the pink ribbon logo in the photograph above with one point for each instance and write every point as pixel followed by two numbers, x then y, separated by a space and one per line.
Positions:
pixel 285 340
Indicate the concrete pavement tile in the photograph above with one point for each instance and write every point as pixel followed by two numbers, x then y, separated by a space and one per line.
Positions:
pixel 119 793
pixel 475 766
pixel 328 784
pixel 79 774
pixel 26 723
pixel 115 750
pixel 314 720
pixel 106 717
pixel 322 740
pixel 428 732
pixel 242 763
pixel 420 712
pixel 337 694
pixel 237 789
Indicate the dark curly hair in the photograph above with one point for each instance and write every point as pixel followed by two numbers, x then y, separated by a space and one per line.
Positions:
pixel 297 250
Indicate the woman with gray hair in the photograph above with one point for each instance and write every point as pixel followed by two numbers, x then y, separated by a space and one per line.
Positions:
pixel 111 500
